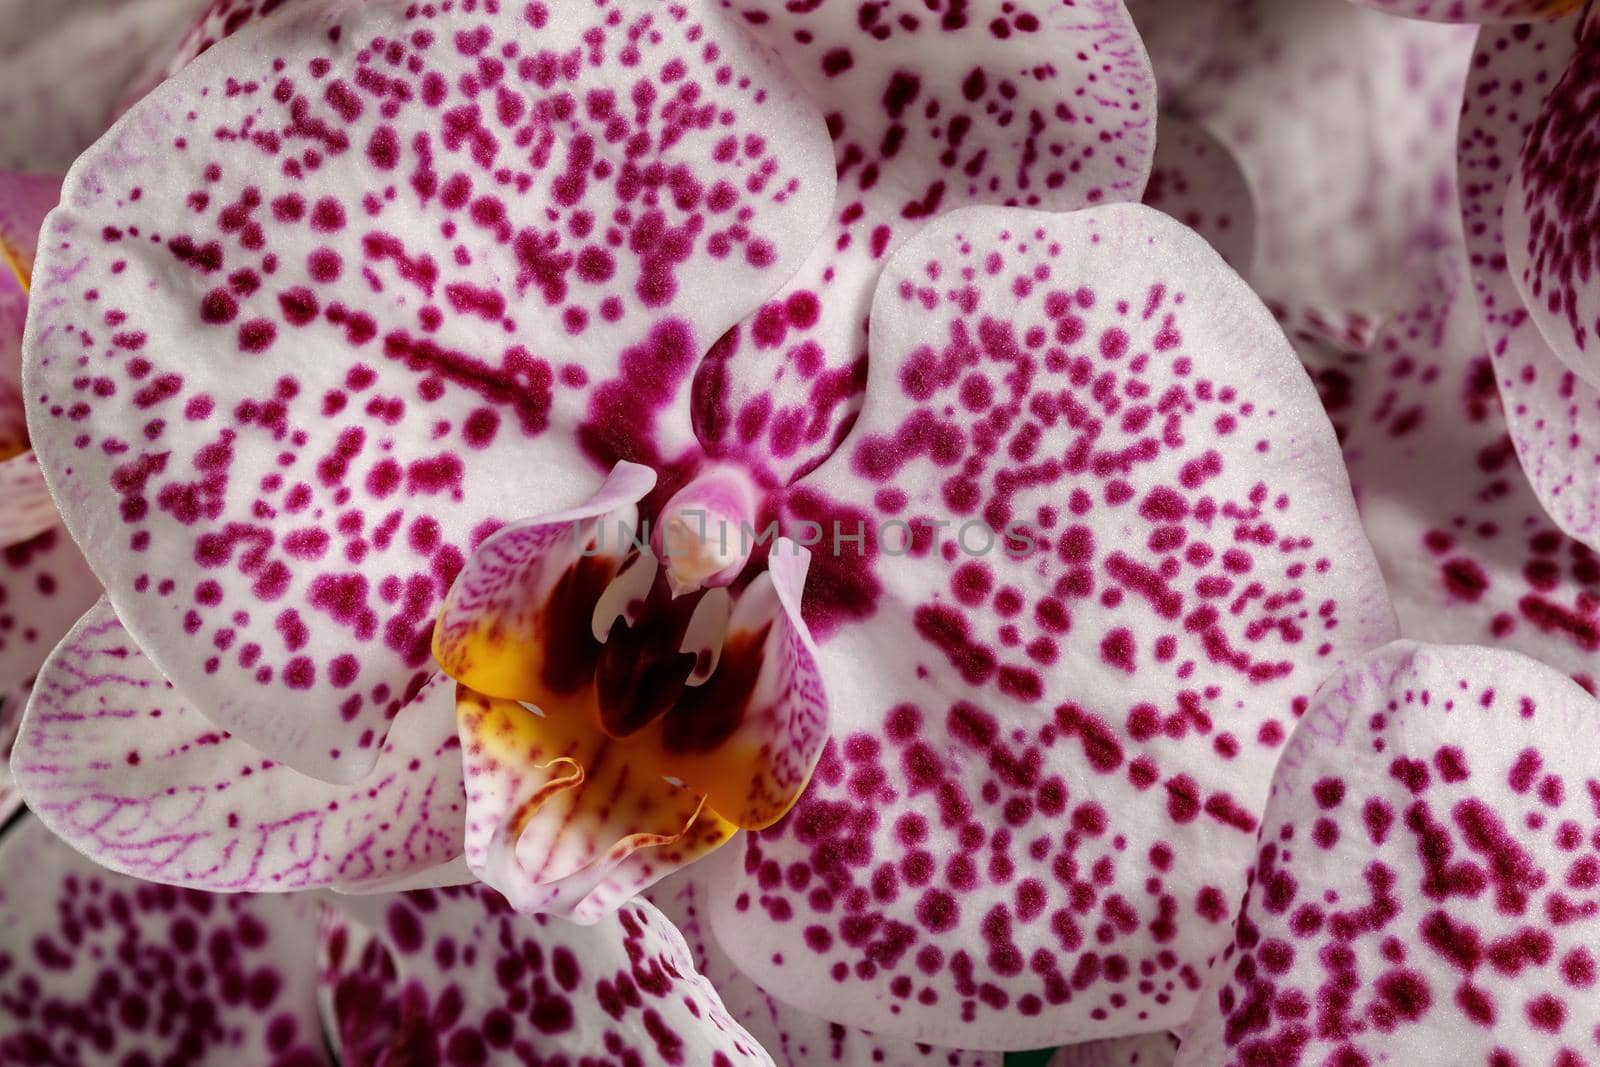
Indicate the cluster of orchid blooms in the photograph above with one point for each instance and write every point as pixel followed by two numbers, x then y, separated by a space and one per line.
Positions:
pixel 869 532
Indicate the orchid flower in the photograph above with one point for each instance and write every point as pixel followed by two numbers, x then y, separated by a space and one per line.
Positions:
pixel 97 967
pixel 372 312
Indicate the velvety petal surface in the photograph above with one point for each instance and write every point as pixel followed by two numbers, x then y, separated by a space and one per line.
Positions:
pixel 793 1037
pixel 45 585
pixel 1476 10
pixel 1039 104
pixel 112 759
pixel 1145 1050
pixel 455 976
pixel 1054 719
pixel 315 312
pixel 1425 889
pixel 99 968
pixel 1550 215
pixel 64 68
pixel 1196 180
pixel 1468 553
pixel 1554 415
pixel 1341 119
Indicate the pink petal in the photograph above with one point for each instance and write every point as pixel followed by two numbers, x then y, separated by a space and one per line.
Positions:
pixel 1424 891
pixel 1034 103
pixel 112 760
pixel 1548 218
pixel 1145 1050
pixel 1553 414
pixel 793 1037
pixel 351 356
pixel 98 968
pixel 1196 180
pixel 1042 764
pixel 1342 120
pixel 1469 554
pixel 13 317
pixel 64 68
pixel 457 974
pixel 25 199
pixel 1476 10
pixel 44 586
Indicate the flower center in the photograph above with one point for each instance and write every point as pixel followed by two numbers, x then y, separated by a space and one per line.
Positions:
pixel 634 681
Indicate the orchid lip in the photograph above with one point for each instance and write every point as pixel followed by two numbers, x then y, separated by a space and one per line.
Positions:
pixel 630 711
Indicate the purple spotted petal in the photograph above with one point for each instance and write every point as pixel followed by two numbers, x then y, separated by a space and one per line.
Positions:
pixel 1468 553
pixel 1425 889
pixel 96 968
pixel 1342 120
pixel 112 760
pixel 1476 10
pixel 1549 216
pixel 1033 103
pixel 1145 1050
pixel 45 584
pixel 455 976
pixel 1554 415
pixel 793 1037
pixel 1196 180
pixel 65 67
pixel 1053 731
pixel 418 270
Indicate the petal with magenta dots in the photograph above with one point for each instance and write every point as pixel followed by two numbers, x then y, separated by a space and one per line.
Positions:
pixel 1054 721
pixel 458 974
pixel 1477 10
pixel 1032 103
pixel 1552 411
pixel 102 968
pixel 352 351
pixel 1424 886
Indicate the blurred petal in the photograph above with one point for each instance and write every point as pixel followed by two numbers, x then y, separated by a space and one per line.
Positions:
pixel 11 705
pixel 1468 553
pixel 1180 36
pixel 1554 415
pixel 1550 214
pixel 315 403
pixel 45 585
pixel 1146 1050
pixel 456 976
pixel 793 1037
pixel 99 968
pixel 1476 10
pixel 25 199
pixel 1048 759
pixel 1196 180
pixel 114 762
pixel 1024 102
pixel 1424 892
pixel 65 66
pixel 1342 120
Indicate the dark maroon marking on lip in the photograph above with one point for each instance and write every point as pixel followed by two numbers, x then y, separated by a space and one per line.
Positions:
pixel 707 715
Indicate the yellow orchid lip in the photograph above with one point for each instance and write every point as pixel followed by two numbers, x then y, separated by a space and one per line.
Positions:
pixel 622 720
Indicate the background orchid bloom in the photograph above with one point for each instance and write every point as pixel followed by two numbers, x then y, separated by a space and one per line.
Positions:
pixel 96 967
pixel 1425 885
